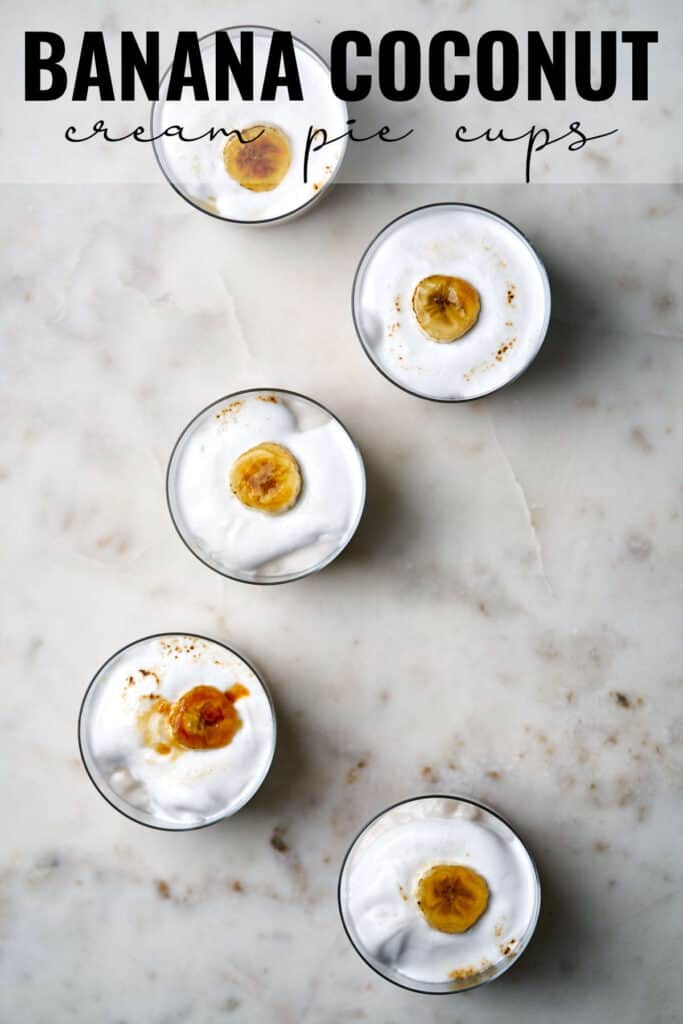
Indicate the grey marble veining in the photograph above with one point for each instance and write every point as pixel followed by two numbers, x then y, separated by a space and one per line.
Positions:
pixel 505 624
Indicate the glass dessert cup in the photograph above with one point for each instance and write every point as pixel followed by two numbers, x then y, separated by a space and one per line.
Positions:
pixel 199 171
pixel 152 755
pixel 392 863
pixel 314 464
pixel 451 302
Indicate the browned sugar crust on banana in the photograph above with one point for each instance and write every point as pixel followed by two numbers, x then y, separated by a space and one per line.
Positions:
pixel 267 478
pixel 261 161
pixel 445 307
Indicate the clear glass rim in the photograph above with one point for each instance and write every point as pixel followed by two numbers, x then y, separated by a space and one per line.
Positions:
pixel 288 577
pixel 451 205
pixel 290 214
pixel 421 987
pixel 82 745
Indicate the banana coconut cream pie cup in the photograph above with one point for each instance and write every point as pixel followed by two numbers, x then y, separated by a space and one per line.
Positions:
pixel 258 161
pixel 177 731
pixel 438 894
pixel 451 302
pixel 265 486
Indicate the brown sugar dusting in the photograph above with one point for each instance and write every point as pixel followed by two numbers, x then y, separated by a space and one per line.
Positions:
pixel 496 357
pixel 474 974
pixel 463 973
pixel 269 398
pixel 511 293
pixel 150 672
pixel 508 948
pixel 146 673
pixel 397 303
pixel 175 646
pixel 229 412
pixel 503 349
pixel 392 328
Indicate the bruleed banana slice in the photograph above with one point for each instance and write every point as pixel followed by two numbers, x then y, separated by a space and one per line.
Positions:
pixel 266 477
pixel 445 307
pixel 205 718
pixel 452 897
pixel 261 161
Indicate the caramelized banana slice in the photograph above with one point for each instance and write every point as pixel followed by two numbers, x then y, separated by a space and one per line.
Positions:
pixel 204 718
pixel 445 307
pixel 261 161
pixel 452 897
pixel 267 478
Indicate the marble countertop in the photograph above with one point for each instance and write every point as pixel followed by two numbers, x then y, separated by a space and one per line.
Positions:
pixel 506 623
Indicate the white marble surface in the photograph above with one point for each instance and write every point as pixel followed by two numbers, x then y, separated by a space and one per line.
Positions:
pixel 519 564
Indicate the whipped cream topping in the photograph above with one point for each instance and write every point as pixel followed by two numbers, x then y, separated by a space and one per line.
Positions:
pixel 244 542
pixel 177 788
pixel 456 241
pixel 197 168
pixel 379 883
